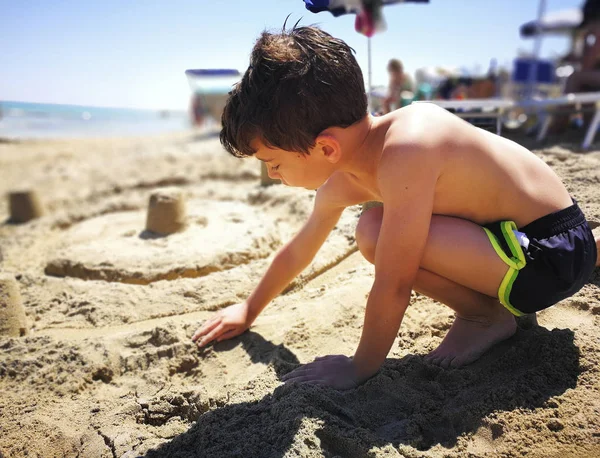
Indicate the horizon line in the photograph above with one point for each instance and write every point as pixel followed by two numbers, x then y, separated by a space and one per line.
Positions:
pixel 94 106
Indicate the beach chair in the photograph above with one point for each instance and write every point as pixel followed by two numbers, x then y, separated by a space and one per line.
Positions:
pixel 530 78
pixel 566 104
pixel 473 110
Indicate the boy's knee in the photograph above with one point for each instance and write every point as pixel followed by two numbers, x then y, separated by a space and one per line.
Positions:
pixel 367 232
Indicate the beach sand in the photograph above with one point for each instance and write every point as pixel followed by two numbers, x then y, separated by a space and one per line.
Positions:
pixel 108 369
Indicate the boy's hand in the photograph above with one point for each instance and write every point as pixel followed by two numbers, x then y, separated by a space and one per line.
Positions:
pixel 227 323
pixel 337 371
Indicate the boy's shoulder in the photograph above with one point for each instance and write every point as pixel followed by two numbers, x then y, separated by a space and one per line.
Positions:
pixel 421 128
pixel 418 125
pixel 340 191
pixel 416 143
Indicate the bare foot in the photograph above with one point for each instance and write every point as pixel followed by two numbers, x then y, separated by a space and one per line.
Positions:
pixel 469 338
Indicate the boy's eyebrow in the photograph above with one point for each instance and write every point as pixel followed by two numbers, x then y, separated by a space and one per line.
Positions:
pixel 263 160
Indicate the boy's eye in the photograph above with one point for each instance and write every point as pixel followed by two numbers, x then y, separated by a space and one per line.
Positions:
pixel 275 167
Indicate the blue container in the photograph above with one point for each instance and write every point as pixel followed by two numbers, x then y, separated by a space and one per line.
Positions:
pixel 543 71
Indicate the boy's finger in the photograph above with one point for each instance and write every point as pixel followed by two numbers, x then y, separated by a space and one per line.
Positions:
pixel 206 327
pixel 211 335
pixel 226 335
pixel 201 329
pixel 303 379
pixel 300 372
pixel 292 373
pixel 212 320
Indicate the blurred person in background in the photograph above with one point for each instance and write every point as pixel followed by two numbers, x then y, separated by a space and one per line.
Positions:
pixel 400 86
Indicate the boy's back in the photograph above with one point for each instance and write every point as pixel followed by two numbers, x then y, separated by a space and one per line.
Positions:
pixel 479 176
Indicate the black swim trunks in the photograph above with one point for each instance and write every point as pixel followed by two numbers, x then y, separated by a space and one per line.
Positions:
pixel 549 259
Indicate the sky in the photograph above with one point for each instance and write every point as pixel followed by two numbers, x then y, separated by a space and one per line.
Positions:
pixel 134 53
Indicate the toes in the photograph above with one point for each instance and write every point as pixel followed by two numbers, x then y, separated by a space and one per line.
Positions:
pixel 445 363
pixel 463 360
pixel 437 359
pixel 441 357
pixel 432 355
pixel 457 362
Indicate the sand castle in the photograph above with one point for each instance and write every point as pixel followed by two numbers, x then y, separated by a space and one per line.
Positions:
pixel 166 212
pixel 25 205
pixel 12 315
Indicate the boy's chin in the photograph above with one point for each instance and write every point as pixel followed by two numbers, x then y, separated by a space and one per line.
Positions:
pixel 306 184
pixel 300 186
pixel 310 187
pixel 314 185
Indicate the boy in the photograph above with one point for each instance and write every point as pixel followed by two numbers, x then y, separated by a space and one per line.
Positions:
pixel 453 197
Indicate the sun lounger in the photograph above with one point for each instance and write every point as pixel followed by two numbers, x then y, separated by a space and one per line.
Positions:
pixel 473 109
pixel 547 108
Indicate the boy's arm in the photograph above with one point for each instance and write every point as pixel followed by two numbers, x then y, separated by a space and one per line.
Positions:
pixel 297 254
pixel 407 184
pixel 286 265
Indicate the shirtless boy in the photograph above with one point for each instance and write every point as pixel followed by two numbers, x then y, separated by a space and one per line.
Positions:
pixel 470 219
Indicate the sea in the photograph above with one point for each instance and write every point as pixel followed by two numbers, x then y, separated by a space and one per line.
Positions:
pixel 23 120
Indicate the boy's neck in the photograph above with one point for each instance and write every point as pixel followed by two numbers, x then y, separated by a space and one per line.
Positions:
pixel 360 152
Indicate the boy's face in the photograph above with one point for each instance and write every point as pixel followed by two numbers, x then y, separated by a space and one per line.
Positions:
pixel 308 171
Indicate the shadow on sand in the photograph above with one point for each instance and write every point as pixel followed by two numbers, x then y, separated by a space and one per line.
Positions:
pixel 261 351
pixel 409 402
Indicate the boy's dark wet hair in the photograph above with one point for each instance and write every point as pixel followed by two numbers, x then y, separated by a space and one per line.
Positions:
pixel 299 83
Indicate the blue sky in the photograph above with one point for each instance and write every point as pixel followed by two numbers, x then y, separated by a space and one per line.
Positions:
pixel 134 53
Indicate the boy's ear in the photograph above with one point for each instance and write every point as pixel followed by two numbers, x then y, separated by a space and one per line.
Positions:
pixel 329 146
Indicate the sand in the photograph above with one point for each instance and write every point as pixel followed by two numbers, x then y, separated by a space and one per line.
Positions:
pixel 108 369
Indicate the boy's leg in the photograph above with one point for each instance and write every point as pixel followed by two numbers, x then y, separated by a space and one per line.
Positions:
pixel 481 321
pixel 460 269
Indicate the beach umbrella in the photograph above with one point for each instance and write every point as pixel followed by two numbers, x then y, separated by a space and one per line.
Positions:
pixel 556 23
pixel 369 17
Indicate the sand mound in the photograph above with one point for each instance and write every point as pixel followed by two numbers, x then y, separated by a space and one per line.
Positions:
pixel 410 405
pixel 116 247
pixel 109 369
